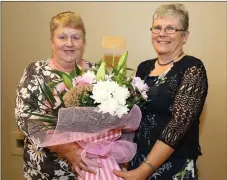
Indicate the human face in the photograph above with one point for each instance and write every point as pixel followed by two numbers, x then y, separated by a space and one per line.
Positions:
pixel 168 44
pixel 67 44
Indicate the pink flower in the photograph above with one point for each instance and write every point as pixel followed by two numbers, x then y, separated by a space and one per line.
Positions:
pixel 60 87
pixel 57 103
pixel 83 80
pixel 138 83
pixel 46 105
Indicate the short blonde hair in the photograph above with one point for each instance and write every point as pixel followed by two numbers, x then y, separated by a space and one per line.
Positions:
pixel 175 10
pixel 67 19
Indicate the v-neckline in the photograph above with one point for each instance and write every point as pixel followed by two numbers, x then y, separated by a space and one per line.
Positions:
pixel 165 73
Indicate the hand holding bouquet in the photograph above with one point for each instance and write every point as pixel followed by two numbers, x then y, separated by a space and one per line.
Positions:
pixel 95 108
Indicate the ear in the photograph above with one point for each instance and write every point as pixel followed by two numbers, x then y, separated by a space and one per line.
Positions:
pixel 51 42
pixel 185 35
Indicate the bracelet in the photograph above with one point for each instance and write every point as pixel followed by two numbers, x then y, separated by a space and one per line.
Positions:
pixel 149 164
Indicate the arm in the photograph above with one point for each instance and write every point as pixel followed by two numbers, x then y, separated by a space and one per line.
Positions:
pixel 187 107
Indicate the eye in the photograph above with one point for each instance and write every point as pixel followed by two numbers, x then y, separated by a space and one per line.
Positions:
pixel 169 28
pixel 75 37
pixel 62 37
pixel 157 28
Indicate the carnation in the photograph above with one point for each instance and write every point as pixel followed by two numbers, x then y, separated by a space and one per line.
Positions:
pixel 111 97
pixel 139 84
pixel 87 78
pixel 72 96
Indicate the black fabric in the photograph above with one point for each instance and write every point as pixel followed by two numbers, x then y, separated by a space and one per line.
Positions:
pixel 175 105
pixel 172 112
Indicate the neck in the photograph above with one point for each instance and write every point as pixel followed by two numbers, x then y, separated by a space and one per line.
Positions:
pixel 64 67
pixel 166 58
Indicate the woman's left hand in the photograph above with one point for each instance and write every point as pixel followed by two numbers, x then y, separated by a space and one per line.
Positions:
pixel 130 175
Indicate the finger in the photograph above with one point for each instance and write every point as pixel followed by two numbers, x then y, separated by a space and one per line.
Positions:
pixel 124 169
pixel 86 168
pixel 78 171
pixel 120 173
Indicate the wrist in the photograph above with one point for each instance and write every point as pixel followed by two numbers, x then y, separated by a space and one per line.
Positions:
pixel 63 148
pixel 154 168
pixel 147 169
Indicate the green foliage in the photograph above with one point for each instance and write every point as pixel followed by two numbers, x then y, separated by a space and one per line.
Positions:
pixel 101 73
pixel 67 79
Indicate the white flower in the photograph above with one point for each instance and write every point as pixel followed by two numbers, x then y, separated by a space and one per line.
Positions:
pixel 108 106
pixel 121 110
pixel 109 76
pixel 90 74
pixel 111 97
pixel 102 90
pixel 121 94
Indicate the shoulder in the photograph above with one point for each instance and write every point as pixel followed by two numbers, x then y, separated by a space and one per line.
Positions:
pixel 33 70
pixel 144 67
pixel 191 61
pixel 38 64
pixel 147 63
pixel 38 68
pixel 193 68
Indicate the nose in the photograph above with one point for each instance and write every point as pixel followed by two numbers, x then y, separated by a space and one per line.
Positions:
pixel 162 32
pixel 69 42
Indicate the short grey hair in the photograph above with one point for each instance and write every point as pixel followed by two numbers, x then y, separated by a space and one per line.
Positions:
pixel 174 10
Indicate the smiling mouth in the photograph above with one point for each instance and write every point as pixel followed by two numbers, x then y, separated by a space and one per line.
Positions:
pixel 69 51
pixel 163 42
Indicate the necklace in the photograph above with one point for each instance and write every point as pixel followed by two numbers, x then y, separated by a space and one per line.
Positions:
pixel 165 63
pixel 160 64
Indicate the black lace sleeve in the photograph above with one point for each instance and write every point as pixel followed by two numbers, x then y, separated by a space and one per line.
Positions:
pixel 187 106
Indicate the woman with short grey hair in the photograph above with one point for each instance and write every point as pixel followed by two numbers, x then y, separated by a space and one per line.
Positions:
pixel 168 136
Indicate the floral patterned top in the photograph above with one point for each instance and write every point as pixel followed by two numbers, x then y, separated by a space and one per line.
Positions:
pixel 39 163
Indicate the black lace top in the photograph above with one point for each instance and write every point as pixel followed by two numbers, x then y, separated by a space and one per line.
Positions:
pixel 175 103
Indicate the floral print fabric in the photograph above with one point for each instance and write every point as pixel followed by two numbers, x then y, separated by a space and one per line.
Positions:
pixel 39 163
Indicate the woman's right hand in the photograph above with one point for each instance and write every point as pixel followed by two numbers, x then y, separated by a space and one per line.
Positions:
pixel 72 152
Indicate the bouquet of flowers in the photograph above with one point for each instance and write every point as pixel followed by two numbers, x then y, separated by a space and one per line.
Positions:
pixel 96 108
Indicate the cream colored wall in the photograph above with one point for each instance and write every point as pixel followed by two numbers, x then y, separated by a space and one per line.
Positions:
pixel 25 38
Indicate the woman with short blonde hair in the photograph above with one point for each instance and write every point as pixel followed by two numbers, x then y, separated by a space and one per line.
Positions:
pixel 68 40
